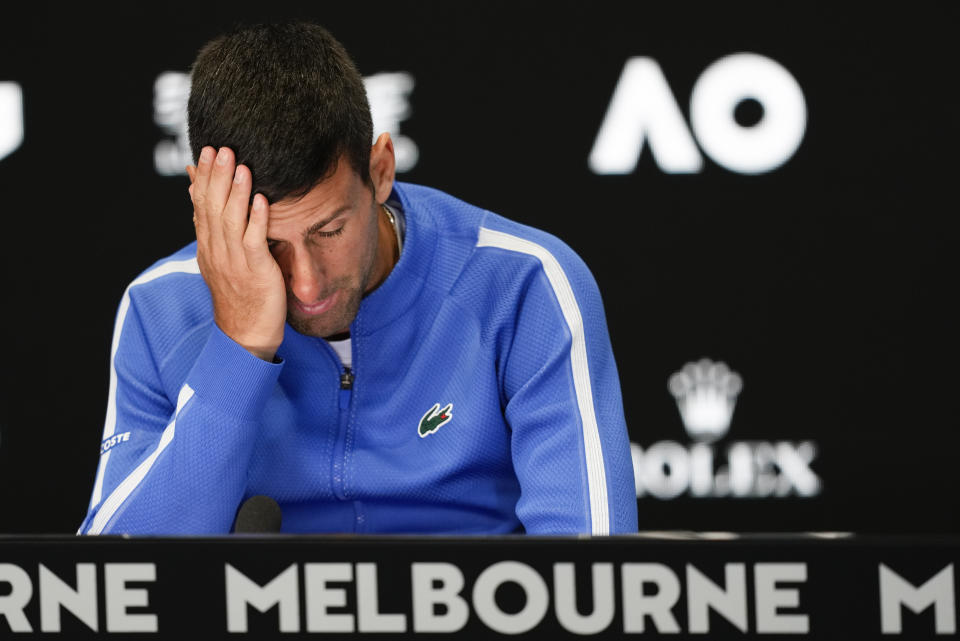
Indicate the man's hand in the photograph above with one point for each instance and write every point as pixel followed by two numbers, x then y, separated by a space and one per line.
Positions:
pixel 249 295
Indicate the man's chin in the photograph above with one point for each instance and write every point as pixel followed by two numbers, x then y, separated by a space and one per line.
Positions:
pixel 330 323
pixel 316 327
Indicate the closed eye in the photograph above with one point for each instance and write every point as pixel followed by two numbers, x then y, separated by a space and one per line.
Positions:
pixel 273 245
pixel 328 234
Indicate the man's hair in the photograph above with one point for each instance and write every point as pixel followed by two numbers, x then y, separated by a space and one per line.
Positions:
pixel 287 99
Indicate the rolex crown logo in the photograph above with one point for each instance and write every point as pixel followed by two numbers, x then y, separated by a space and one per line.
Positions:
pixel 706 394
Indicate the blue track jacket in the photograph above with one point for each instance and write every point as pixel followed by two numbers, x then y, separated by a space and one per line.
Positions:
pixel 484 400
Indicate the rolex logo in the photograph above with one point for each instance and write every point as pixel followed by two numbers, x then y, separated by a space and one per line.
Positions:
pixel 706 394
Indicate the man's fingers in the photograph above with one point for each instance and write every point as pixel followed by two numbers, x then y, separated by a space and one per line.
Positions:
pixel 191 172
pixel 220 183
pixel 196 221
pixel 199 179
pixel 204 167
pixel 255 237
pixel 234 218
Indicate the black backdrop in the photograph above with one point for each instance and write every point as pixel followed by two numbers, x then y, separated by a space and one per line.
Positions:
pixel 827 283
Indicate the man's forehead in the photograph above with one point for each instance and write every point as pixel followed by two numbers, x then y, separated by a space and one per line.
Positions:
pixel 336 190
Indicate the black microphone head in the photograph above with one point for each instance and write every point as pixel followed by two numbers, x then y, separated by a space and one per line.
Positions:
pixel 258 514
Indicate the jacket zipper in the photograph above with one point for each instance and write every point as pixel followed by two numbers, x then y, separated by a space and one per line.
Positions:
pixel 338 466
pixel 346 386
pixel 344 395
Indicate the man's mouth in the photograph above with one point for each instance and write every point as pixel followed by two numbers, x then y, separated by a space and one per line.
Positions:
pixel 316 308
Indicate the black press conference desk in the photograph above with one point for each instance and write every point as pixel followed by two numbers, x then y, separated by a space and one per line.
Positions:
pixel 670 584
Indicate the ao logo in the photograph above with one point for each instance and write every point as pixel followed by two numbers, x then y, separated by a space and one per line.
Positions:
pixel 11 118
pixel 644 110
pixel 386 92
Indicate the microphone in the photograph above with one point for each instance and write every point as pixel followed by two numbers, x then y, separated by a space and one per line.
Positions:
pixel 258 514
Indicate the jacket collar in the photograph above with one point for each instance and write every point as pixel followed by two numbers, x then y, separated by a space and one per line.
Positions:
pixel 404 284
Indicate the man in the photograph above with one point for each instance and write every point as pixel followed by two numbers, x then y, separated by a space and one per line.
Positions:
pixel 375 356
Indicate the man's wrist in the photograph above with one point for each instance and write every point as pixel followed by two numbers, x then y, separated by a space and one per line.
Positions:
pixel 269 355
pixel 227 376
pixel 265 350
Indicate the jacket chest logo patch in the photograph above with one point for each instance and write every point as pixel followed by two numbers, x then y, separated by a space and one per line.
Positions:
pixel 435 418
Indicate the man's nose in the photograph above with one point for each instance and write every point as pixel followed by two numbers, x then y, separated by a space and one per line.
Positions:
pixel 304 277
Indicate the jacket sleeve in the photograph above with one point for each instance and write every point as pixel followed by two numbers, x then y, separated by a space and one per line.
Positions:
pixel 570 448
pixel 174 456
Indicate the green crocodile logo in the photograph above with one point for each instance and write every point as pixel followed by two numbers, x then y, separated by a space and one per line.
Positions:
pixel 435 418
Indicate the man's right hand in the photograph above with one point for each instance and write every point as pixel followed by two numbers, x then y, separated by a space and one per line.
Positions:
pixel 249 295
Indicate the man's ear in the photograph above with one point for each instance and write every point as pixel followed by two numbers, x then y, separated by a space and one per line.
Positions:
pixel 383 167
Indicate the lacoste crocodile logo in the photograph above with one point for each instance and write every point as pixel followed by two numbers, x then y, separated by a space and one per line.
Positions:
pixel 435 418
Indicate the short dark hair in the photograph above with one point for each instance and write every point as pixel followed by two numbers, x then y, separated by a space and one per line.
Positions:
pixel 287 99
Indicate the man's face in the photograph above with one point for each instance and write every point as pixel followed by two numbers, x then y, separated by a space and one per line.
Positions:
pixel 332 249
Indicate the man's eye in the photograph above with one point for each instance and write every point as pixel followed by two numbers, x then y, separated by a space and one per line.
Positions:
pixel 328 234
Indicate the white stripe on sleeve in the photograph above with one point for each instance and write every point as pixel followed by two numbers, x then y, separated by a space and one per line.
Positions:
pixel 129 484
pixel 596 474
pixel 188 266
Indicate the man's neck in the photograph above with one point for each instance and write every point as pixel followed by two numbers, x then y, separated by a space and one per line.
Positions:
pixel 388 248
